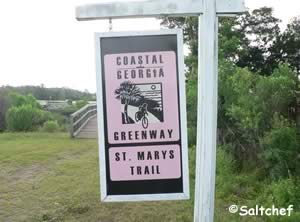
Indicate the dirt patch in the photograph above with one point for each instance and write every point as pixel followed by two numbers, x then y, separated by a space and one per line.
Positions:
pixel 69 156
pixel 25 174
pixel 30 173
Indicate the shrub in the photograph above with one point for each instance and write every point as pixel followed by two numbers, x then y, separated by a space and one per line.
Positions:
pixel 26 118
pixel 225 170
pixel 41 117
pixel 191 93
pixel 20 100
pixel 192 135
pixel 281 148
pixel 282 194
pixel 50 126
pixel 60 118
pixel 21 118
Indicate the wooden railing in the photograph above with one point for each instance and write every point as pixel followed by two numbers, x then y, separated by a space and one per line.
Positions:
pixel 81 117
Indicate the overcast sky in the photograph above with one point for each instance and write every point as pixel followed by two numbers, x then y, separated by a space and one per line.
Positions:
pixel 42 43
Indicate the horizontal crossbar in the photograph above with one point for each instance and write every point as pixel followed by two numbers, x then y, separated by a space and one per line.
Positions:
pixel 154 8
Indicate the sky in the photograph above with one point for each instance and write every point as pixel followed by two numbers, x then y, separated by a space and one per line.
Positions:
pixel 41 42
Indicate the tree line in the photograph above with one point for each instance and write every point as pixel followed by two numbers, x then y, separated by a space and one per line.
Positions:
pixel 43 93
pixel 258 116
pixel 258 79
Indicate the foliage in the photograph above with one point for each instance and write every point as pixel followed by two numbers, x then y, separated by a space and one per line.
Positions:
pixel 25 113
pixel 21 118
pixel 19 100
pixel 191 93
pixel 4 106
pixel 128 93
pixel 259 29
pixel 281 194
pixel 251 40
pixel 192 135
pixel 42 116
pixel 247 104
pixel 50 126
pixel 281 149
pixel 254 83
pixel 225 172
pixel 18 96
pixel 61 119
pixel 286 48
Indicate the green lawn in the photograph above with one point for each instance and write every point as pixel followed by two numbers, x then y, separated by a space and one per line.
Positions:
pixel 50 177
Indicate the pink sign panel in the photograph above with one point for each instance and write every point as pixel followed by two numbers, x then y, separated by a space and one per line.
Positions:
pixel 144 163
pixel 141 97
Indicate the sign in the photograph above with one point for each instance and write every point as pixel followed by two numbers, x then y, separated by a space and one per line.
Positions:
pixel 208 12
pixel 142 116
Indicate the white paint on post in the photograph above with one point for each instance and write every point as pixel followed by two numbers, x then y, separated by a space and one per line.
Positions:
pixel 207 114
pixel 151 8
pixel 155 8
pixel 231 7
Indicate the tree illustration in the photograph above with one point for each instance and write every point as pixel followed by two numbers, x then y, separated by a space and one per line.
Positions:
pixel 127 93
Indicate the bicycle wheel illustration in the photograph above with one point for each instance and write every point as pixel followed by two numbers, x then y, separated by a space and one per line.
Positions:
pixel 145 122
pixel 137 116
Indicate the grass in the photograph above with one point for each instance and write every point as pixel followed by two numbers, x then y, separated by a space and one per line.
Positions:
pixel 50 177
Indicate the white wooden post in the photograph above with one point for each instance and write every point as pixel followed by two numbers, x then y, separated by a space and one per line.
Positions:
pixel 207 113
pixel 208 12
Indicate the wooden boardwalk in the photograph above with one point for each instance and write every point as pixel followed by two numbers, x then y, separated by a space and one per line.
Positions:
pixel 90 130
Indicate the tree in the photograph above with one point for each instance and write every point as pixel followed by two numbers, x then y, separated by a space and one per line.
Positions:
pixel 127 93
pixel 287 49
pixel 254 81
pixel 247 104
pixel 190 33
pixel 289 45
pixel 247 40
pixel 260 29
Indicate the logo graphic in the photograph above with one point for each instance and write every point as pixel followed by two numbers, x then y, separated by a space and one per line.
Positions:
pixel 140 103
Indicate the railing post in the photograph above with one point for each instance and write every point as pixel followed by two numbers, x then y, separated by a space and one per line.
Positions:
pixel 80 117
pixel 71 126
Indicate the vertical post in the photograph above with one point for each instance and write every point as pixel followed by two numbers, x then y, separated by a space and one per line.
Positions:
pixel 207 114
pixel 71 126
pixel 110 24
